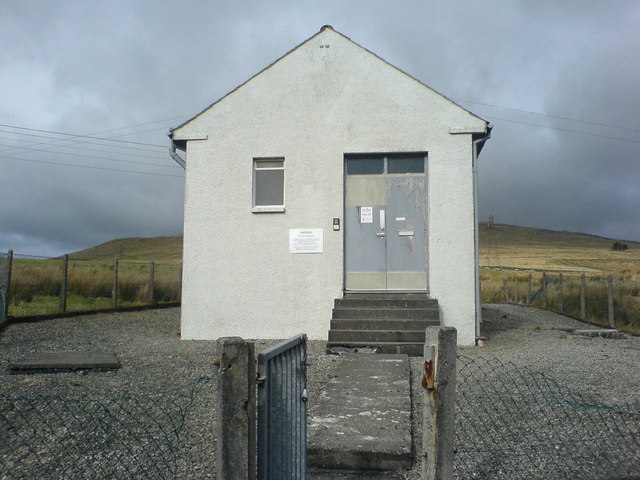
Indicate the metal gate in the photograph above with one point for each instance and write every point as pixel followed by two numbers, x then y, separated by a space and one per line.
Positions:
pixel 282 411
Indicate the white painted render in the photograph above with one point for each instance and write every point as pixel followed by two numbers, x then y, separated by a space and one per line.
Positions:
pixel 327 98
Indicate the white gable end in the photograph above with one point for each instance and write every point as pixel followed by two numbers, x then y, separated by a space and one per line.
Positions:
pixel 325 100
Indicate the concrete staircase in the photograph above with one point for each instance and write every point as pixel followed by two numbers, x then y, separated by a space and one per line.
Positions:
pixel 388 322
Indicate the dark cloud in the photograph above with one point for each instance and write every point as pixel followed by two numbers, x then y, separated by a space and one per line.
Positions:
pixel 96 67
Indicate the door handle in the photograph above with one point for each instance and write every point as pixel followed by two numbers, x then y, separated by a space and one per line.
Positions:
pixel 380 234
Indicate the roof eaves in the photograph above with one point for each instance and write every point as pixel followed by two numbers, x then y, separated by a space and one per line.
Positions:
pixel 300 45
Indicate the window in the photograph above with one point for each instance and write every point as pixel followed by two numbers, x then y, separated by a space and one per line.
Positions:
pixel 409 163
pixel 406 164
pixel 268 185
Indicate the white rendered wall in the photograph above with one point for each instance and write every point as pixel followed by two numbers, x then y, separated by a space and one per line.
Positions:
pixel 311 107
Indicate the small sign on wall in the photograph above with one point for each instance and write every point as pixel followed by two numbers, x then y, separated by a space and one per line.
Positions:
pixel 366 214
pixel 308 240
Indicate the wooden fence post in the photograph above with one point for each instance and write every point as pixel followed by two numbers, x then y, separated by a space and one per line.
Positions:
pixel 180 283
pixel 544 290
pixel 439 384
pixel 561 294
pixel 7 298
pixel 63 288
pixel 612 322
pixel 517 292
pixel 583 293
pixel 152 269
pixel 529 286
pixel 114 286
pixel 235 428
pixel 505 290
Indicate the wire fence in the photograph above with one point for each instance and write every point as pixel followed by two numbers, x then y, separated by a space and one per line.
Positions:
pixel 511 423
pixel 514 423
pixel 36 286
pixel 132 437
pixel 601 299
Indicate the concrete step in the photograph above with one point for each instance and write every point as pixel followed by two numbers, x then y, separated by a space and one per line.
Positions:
pixel 381 324
pixel 388 295
pixel 362 418
pixel 414 349
pixel 374 336
pixel 356 302
pixel 387 313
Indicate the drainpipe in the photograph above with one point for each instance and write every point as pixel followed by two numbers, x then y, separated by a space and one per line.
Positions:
pixel 177 158
pixel 477 146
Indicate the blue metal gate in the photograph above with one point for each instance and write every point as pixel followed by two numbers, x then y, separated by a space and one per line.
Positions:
pixel 282 411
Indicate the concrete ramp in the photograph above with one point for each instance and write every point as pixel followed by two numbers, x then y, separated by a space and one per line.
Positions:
pixel 362 421
pixel 52 361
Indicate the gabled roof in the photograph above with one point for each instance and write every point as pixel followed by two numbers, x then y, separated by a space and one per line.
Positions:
pixel 325 27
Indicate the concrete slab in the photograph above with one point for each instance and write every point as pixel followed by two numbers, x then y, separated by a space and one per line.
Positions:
pixel 362 420
pixel 47 361
pixel 599 332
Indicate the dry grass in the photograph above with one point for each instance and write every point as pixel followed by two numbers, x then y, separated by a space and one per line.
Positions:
pixel 36 285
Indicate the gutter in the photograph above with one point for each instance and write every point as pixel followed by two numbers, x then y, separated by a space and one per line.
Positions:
pixel 177 158
pixel 478 143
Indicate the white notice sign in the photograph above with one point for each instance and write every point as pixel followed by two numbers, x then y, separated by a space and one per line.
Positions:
pixel 307 240
pixel 366 214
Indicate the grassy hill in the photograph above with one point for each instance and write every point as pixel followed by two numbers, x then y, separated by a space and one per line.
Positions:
pixel 157 248
pixel 503 246
pixel 534 248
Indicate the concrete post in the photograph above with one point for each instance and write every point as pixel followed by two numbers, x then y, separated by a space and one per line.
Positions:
pixel 439 383
pixel 529 289
pixel 236 409
pixel 544 290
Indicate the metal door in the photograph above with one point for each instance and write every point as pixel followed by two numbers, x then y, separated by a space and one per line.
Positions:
pixel 385 223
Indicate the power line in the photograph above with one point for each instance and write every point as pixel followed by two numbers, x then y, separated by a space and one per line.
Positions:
pixel 586 122
pixel 568 130
pixel 81 136
pixel 61 164
pixel 73 142
pixel 90 143
pixel 89 156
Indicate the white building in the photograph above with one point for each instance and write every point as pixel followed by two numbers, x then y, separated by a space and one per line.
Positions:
pixel 329 171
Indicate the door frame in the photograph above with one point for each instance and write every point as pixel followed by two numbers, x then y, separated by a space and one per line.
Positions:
pixel 345 156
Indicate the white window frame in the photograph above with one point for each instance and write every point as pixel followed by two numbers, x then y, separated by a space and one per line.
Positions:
pixel 266 208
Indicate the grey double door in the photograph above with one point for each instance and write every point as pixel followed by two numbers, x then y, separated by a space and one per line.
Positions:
pixel 386 223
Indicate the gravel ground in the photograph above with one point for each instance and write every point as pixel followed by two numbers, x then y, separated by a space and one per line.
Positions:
pixel 155 360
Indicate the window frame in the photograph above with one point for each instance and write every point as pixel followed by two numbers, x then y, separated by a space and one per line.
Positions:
pixel 254 168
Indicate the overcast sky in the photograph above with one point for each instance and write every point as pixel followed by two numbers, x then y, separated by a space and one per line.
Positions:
pixel 558 80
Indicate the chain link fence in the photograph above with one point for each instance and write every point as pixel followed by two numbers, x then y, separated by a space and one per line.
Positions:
pixel 514 423
pixel 601 299
pixel 49 286
pixel 132 437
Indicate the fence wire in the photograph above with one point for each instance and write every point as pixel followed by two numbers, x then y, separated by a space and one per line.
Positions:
pixel 513 423
pixel 130 437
